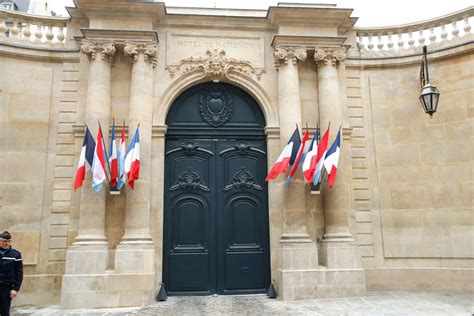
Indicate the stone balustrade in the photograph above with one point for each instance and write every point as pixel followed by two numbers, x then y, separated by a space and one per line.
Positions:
pixel 32 30
pixel 406 36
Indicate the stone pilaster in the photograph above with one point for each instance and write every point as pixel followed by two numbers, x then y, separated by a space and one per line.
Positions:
pixel 89 255
pixel 289 109
pixel 92 209
pixel 336 200
pixel 136 252
pixel 339 252
pixel 297 253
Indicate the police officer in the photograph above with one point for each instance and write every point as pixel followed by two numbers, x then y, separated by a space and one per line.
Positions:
pixel 11 273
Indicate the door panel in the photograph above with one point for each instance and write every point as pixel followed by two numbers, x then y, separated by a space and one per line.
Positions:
pixel 189 221
pixel 242 213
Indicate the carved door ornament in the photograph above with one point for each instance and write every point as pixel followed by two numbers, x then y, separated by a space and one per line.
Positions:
pixel 215 106
pixel 243 179
pixel 189 180
pixel 215 66
pixel 189 148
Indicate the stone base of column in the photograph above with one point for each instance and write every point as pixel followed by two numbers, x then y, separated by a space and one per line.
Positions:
pixel 87 282
pixel 107 290
pixel 135 257
pixel 340 251
pixel 301 277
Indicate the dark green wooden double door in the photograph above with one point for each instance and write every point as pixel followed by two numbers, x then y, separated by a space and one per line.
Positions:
pixel 216 235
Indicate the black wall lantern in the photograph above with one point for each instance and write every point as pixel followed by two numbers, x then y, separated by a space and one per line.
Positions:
pixel 429 94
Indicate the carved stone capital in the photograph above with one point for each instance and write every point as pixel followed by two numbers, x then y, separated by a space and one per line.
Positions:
pixel 284 54
pixel 149 52
pixel 106 50
pixel 335 56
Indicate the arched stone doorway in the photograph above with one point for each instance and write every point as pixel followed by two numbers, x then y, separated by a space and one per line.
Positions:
pixel 216 221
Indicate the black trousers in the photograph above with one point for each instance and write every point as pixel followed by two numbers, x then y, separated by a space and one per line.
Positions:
pixel 5 299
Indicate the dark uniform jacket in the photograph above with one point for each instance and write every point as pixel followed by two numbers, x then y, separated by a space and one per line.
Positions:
pixel 11 268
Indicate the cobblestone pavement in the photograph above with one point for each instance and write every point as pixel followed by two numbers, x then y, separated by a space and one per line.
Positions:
pixel 375 303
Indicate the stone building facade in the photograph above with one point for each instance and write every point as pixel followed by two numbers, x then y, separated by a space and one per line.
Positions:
pixel 400 216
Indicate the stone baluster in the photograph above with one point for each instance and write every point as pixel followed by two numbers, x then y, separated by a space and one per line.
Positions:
pixel 336 200
pixel 411 40
pixel 38 33
pixel 432 35
pixel 60 35
pixel 390 42
pixel 370 45
pixel 137 238
pixel 3 28
pixel 444 34
pixel 27 31
pixel 49 34
pixel 421 37
pixel 380 43
pixel 14 30
pixel 400 42
pixel 455 30
pixel 467 27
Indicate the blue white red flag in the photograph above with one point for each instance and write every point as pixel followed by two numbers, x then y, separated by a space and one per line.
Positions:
pixel 299 154
pixel 114 172
pixel 332 158
pixel 121 159
pixel 309 163
pixel 99 173
pixel 322 148
pixel 85 159
pixel 132 160
pixel 287 156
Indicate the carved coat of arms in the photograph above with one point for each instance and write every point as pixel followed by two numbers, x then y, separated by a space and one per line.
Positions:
pixel 215 106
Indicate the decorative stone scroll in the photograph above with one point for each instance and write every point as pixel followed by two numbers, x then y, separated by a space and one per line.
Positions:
pixel 283 54
pixel 149 52
pixel 105 49
pixel 335 56
pixel 215 66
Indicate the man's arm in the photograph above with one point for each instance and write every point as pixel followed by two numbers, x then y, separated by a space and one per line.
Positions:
pixel 18 272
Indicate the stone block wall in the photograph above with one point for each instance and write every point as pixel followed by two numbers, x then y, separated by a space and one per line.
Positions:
pixel 419 179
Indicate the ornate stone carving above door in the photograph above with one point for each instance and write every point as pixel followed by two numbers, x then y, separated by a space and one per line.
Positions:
pixel 216 66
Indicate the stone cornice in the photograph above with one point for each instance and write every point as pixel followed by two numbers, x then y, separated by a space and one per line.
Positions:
pixel 311 15
pixel 282 55
pixel 134 50
pixel 121 36
pixel 309 42
pixel 121 9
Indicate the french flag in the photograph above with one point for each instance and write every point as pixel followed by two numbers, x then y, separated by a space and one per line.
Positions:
pixel 314 154
pixel 322 148
pixel 114 172
pixel 287 156
pixel 85 159
pixel 301 150
pixel 332 158
pixel 121 160
pixel 99 173
pixel 132 160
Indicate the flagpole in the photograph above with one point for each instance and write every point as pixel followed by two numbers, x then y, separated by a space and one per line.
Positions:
pixel 105 152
